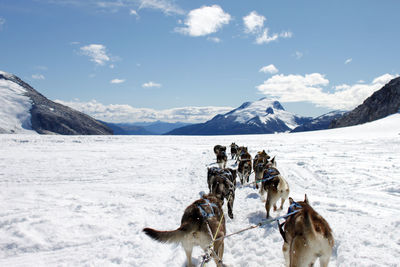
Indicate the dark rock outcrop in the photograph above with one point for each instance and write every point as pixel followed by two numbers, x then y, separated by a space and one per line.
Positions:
pixel 48 117
pixel 319 123
pixel 380 104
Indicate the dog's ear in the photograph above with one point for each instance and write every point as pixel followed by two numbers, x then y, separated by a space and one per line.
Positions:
pixel 291 200
pixel 273 161
pixel 305 199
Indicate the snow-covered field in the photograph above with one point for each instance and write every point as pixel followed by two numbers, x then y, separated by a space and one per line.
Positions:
pixel 83 201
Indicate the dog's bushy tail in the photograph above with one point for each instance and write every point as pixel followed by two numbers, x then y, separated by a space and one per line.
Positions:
pixel 308 224
pixel 174 236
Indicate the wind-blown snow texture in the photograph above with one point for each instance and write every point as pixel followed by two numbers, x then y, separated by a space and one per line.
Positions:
pixel 83 200
pixel 15 105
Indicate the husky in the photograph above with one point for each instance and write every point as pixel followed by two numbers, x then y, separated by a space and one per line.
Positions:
pixel 222 187
pixel 218 149
pixel 241 151
pixel 244 170
pixel 275 186
pixel 259 163
pixel 199 224
pixel 222 159
pixel 307 236
pixel 213 172
pixel 234 150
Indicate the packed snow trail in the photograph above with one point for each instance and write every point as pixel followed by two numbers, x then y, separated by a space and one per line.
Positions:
pixel 84 200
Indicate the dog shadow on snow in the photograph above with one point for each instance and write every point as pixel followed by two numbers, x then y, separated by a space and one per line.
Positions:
pixel 253 196
pixel 259 216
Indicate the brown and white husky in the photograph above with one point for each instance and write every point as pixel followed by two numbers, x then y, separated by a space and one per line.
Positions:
pixel 307 236
pixel 259 163
pixel 199 224
pixel 275 186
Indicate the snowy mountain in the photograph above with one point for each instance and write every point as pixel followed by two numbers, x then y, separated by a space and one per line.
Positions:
pixel 24 110
pixel 380 104
pixel 319 123
pixel 258 117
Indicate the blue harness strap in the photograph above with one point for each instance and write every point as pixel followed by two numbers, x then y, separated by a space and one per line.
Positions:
pixel 204 213
pixel 293 206
pixel 268 175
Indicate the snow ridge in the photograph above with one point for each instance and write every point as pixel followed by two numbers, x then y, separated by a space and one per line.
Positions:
pixel 15 106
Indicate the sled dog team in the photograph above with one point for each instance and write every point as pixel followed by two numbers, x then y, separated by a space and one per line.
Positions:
pixel 306 235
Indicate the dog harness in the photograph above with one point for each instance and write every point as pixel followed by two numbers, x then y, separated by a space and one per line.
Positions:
pixel 204 213
pixel 290 212
pixel 269 175
pixel 293 206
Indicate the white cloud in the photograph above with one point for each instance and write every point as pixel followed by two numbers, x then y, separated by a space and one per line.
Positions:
pixel 265 38
pixel 214 39
pixel 269 69
pixel 298 54
pixel 348 61
pixel 151 84
pixel 38 76
pixel 96 53
pixel 204 21
pixel 383 79
pixel 127 113
pixel 133 12
pixel 167 7
pixel 286 34
pixel 253 22
pixel 117 81
pixel 2 22
pixel 310 88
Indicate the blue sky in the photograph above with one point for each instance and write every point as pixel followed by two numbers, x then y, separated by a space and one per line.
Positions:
pixel 148 56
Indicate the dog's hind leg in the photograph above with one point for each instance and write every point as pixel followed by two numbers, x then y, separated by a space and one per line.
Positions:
pixel 188 250
pixel 300 253
pixel 271 201
pixel 286 255
pixel 219 250
pixel 324 260
pixel 284 196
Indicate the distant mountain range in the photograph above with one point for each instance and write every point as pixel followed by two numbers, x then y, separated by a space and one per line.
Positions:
pixel 28 110
pixel 319 123
pixel 24 110
pixel 259 117
pixel 144 128
pixel 380 104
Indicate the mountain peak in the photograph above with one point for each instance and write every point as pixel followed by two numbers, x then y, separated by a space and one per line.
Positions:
pixel 25 110
pixel 259 117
